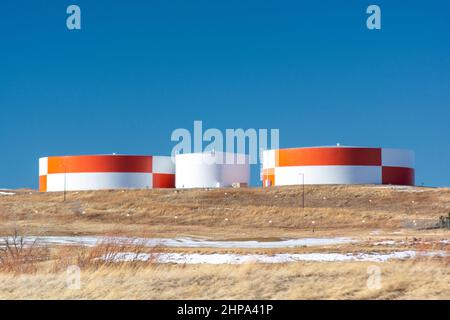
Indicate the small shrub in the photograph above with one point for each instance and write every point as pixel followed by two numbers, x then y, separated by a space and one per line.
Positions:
pixel 18 256
pixel 106 253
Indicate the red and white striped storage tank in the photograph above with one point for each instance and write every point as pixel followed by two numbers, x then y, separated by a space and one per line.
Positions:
pixel 100 172
pixel 338 165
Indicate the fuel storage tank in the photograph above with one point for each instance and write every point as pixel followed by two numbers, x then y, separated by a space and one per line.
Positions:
pixel 100 172
pixel 211 170
pixel 337 165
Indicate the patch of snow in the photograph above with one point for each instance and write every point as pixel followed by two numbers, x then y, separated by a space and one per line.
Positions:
pixel 385 243
pixel 187 242
pixel 435 254
pixel 399 188
pixel 393 242
pixel 219 258
pixel 6 193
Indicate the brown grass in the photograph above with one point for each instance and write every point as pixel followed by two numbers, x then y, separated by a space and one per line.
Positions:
pixel 421 279
pixel 104 278
pixel 18 257
pixel 334 209
pixel 103 254
pixel 354 211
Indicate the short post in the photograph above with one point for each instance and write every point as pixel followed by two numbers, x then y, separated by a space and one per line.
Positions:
pixel 448 221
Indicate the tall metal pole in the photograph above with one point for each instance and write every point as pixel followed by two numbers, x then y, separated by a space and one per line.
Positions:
pixel 65 173
pixel 303 190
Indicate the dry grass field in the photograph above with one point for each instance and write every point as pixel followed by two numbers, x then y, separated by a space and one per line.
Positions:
pixel 224 213
pixel 399 280
pixel 404 216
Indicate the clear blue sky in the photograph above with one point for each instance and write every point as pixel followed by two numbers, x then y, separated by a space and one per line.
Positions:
pixel 139 69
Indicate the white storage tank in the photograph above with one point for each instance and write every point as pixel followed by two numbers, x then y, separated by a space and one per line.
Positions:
pixel 211 170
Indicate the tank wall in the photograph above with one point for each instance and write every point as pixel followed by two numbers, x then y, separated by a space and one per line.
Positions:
pixel 193 171
pixel 210 170
pixel 327 175
pixel 338 165
pixel 100 172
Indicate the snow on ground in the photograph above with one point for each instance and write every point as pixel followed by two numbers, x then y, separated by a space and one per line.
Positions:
pixel 187 242
pixel 219 258
pixel 223 258
pixel 91 241
pixel 5 193
pixel 399 188
pixel 385 243
pixel 393 242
